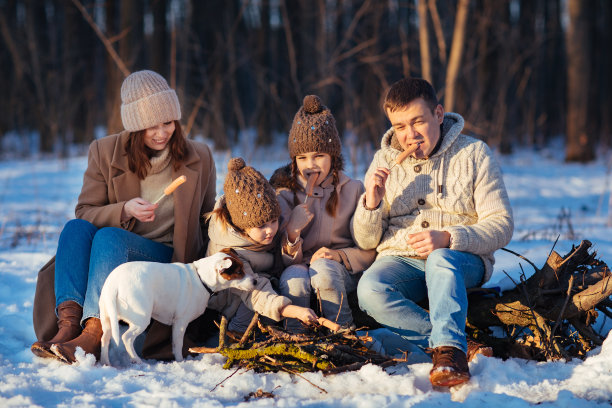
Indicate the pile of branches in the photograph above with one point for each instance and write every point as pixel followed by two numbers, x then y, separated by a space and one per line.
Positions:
pixel 550 315
pixel 327 348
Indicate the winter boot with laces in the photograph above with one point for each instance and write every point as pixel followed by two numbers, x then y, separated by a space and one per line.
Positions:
pixel 69 315
pixel 450 367
pixel 475 348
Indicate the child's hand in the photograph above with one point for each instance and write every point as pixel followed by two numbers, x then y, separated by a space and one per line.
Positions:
pixel 304 314
pixel 300 218
pixel 326 253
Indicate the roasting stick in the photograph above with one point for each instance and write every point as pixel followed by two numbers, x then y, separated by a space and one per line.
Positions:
pixel 171 187
pixel 402 156
pixel 329 324
pixel 312 179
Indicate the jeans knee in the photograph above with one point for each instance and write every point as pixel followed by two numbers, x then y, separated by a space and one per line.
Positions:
pixel 110 236
pixel 295 281
pixel 74 229
pixel 325 275
pixel 368 293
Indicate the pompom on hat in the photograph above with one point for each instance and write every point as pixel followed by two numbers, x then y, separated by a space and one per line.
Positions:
pixel 314 130
pixel 147 100
pixel 250 199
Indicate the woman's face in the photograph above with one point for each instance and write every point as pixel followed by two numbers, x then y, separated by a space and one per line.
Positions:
pixel 264 234
pixel 314 162
pixel 157 137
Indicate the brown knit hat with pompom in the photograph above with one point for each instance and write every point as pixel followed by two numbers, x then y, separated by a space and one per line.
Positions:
pixel 314 130
pixel 250 199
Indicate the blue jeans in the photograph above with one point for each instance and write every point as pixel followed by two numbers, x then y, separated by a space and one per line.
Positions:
pixel 86 255
pixel 329 279
pixel 391 288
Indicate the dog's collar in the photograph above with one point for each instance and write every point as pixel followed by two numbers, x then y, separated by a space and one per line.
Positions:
pixel 208 289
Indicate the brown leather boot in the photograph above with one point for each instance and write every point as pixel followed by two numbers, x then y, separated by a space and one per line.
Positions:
pixel 69 315
pixel 450 367
pixel 89 341
pixel 475 348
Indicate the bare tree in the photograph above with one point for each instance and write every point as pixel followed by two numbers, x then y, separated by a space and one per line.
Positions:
pixel 579 143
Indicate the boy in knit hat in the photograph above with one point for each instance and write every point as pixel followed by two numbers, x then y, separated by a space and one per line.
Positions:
pixel 317 233
pixel 435 220
pixel 246 219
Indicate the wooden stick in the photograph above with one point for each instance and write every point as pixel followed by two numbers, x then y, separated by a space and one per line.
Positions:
pixel 249 330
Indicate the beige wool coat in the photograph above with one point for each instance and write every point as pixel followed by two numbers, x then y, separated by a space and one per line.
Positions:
pixel 459 189
pixel 325 230
pixel 263 299
pixel 108 184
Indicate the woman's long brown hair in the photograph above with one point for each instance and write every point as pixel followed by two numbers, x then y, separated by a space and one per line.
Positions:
pixel 138 154
pixel 337 166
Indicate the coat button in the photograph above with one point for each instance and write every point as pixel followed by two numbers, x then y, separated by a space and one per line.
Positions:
pixel 421 201
pixel 417 168
pixel 424 224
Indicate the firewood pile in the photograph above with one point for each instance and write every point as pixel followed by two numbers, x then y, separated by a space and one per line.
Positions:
pixel 550 315
pixel 327 348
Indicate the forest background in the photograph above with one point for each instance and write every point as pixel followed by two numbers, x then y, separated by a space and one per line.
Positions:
pixel 521 72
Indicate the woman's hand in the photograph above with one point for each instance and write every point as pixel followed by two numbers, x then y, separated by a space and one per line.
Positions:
pixel 326 253
pixel 140 209
pixel 304 314
pixel 300 218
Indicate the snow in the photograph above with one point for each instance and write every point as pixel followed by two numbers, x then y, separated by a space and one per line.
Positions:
pixel 549 198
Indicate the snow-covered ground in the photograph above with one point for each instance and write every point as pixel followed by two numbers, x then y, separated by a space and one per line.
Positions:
pixel 549 198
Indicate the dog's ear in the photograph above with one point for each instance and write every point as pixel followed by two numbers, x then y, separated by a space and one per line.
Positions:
pixel 224 264
pixel 230 251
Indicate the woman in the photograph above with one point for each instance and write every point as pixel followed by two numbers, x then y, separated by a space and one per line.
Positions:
pixel 117 219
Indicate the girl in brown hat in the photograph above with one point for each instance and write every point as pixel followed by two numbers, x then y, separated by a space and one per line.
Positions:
pixel 317 232
pixel 117 219
pixel 246 219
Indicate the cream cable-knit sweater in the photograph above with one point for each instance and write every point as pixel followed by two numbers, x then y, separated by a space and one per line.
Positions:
pixel 458 189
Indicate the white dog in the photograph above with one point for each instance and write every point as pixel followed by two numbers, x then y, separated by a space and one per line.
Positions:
pixel 173 294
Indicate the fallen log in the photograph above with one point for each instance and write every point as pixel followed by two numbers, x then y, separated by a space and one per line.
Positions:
pixel 548 315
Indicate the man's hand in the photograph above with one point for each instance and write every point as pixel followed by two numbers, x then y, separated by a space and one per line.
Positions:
pixel 304 314
pixel 140 209
pixel 326 253
pixel 299 219
pixel 425 242
pixel 375 187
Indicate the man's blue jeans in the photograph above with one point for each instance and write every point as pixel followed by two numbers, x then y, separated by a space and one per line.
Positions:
pixel 86 255
pixel 390 289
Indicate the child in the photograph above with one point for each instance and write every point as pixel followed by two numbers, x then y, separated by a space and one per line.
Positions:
pixel 246 219
pixel 317 230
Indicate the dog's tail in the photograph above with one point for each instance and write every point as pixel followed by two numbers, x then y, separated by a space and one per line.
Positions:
pixel 108 315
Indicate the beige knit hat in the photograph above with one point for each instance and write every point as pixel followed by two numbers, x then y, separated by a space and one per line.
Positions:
pixel 314 130
pixel 147 100
pixel 250 199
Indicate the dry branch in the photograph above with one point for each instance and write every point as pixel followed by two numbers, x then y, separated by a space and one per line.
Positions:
pixel 543 309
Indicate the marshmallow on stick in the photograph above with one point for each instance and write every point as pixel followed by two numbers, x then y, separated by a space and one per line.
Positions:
pixel 171 187
pixel 403 155
pixel 310 184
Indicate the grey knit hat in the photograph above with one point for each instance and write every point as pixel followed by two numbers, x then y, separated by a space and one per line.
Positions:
pixel 147 100
pixel 314 130
pixel 250 199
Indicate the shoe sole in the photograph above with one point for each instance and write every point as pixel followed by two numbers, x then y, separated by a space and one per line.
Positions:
pixel 42 352
pixel 448 378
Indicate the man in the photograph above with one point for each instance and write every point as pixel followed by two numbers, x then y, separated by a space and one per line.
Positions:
pixel 435 220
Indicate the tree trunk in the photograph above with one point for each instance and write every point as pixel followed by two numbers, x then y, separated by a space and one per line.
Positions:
pixel 424 44
pixel 456 53
pixel 579 143
pixel 160 57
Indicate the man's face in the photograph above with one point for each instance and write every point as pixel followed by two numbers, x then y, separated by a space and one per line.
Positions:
pixel 418 124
